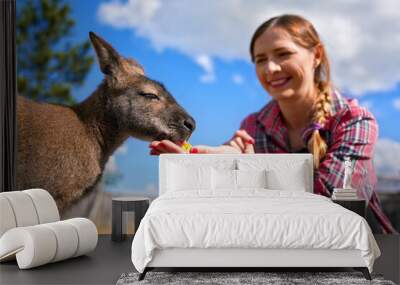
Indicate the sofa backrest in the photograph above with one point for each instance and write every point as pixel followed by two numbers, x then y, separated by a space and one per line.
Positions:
pixel 285 171
pixel 26 208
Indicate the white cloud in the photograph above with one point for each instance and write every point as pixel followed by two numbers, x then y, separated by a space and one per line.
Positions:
pixel 123 149
pixel 362 36
pixel 368 104
pixel 387 157
pixel 396 103
pixel 111 166
pixel 120 14
pixel 237 79
pixel 207 65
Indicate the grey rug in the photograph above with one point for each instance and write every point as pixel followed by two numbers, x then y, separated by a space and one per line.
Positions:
pixel 229 278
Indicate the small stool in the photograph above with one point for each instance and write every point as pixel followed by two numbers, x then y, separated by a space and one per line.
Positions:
pixel 138 205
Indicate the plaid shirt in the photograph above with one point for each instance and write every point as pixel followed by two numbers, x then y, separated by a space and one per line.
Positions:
pixel 351 131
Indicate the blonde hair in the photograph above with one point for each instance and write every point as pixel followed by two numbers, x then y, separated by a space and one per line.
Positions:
pixel 305 35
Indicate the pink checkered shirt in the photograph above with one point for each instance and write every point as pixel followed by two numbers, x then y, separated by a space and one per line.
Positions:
pixel 351 131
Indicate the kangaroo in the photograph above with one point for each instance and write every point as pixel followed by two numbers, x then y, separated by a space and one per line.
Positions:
pixel 64 149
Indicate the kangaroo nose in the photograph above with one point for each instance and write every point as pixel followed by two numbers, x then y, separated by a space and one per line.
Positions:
pixel 190 124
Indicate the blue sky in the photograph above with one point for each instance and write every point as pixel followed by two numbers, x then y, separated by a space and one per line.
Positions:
pixel 199 52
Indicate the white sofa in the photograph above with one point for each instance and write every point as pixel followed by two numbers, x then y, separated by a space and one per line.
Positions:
pixel 31 231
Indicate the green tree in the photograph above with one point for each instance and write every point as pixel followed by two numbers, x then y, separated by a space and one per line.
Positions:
pixel 48 64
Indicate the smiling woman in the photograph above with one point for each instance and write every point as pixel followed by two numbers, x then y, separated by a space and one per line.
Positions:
pixel 292 66
pixel 307 113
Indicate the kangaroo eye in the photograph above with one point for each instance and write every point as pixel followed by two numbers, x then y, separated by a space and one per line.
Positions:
pixel 149 95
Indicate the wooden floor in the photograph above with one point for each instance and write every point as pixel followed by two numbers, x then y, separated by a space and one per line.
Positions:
pixel 111 259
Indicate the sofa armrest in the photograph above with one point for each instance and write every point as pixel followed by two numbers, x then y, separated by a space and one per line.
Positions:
pixel 26 208
pixel 40 244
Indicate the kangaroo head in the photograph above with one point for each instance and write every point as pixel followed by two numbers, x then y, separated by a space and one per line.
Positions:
pixel 138 105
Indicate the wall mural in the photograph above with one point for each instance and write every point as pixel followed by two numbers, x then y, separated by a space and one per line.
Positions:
pixel 85 144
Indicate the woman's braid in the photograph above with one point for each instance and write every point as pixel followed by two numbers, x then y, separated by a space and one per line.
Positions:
pixel 316 145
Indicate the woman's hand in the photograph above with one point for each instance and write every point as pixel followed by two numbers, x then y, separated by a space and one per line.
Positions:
pixel 167 146
pixel 242 141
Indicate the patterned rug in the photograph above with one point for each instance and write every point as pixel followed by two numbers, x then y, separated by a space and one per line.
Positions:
pixel 242 278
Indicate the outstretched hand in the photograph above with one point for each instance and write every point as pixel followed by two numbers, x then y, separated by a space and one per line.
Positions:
pixel 167 146
pixel 242 141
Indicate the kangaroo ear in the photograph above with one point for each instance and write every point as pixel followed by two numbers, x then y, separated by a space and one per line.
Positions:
pixel 111 63
pixel 109 58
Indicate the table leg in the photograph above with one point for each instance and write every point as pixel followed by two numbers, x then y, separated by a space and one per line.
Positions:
pixel 116 234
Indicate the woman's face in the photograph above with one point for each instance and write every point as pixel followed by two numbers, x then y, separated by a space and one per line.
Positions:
pixel 284 69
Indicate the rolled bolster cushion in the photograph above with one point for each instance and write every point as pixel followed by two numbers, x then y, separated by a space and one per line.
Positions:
pixel 45 205
pixel 87 235
pixel 33 246
pixel 7 218
pixel 67 240
pixel 23 209
pixel 26 208
pixel 40 244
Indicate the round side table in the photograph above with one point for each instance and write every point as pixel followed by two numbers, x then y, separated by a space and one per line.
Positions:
pixel 138 205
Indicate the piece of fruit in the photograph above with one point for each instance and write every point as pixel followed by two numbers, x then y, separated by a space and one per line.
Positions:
pixel 186 146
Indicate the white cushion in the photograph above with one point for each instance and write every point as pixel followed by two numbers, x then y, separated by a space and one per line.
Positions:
pixel 45 205
pixel 40 244
pixel 26 208
pixel 23 208
pixel 188 162
pixel 182 177
pixel 87 233
pixel 230 180
pixel 34 244
pixel 279 180
pixel 7 218
pixel 223 179
pixel 289 175
pixel 251 178
pixel 288 167
pixel 67 239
